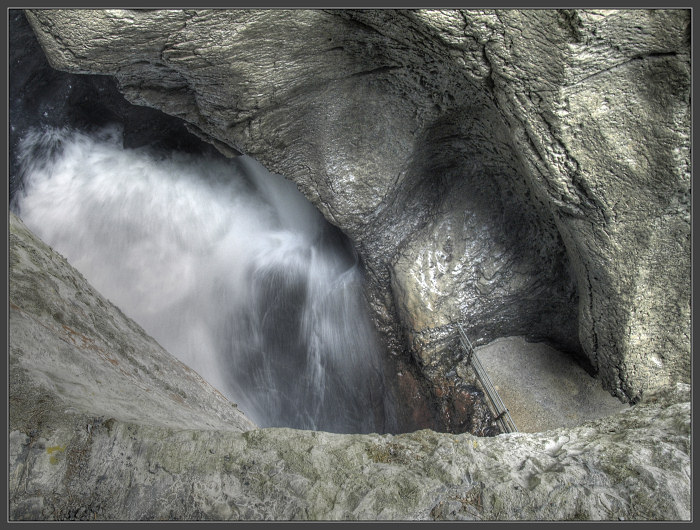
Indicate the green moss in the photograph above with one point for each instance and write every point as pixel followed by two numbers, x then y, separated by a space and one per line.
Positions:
pixel 390 453
pixel 57 449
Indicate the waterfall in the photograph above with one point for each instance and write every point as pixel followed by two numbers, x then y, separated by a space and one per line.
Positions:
pixel 228 266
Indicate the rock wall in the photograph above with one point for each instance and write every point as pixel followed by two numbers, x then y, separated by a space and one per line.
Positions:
pixel 72 351
pixel 603 128
pixel 526 172
pixel 41 96
pixel 105 425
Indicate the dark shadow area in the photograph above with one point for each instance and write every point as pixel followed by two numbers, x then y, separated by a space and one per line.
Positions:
pixel 40 96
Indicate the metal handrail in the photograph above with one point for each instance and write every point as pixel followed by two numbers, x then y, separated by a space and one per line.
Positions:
pixel 499 408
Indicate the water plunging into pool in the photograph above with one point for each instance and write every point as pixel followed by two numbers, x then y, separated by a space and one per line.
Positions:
pixel 228 266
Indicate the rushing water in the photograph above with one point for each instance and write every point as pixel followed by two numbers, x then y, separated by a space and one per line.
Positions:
pixel 226 265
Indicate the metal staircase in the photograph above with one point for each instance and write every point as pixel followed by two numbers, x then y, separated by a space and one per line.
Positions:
pixel 496 404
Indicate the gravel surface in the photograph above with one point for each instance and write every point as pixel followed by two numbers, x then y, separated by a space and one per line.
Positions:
pixel 544 388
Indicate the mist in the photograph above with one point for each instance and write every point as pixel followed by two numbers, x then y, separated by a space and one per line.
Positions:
pixel 226 265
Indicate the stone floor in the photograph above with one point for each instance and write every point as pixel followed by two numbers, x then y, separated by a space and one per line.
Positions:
pixel 543 388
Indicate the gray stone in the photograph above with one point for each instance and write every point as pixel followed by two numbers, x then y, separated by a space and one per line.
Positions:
pixel 105 425
pixel 574 167
pixel 603 128
pixel 73 352
pixel 542 388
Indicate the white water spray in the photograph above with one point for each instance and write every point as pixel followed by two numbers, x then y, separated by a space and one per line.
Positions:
pixel 226 265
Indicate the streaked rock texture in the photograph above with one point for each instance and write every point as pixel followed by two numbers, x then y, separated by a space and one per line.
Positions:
pixel 106 425
pixel 526 172
pixel 73 352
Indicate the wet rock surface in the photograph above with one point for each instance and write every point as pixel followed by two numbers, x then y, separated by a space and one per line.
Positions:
pixel 72 351
pixel 526 172
pixel 580 148
pixel 150 440
pixel 40 96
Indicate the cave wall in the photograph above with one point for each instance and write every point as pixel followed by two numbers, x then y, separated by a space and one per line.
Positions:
pixel 106 425
pixel 40 96
pixel 603 128
pixel 479 160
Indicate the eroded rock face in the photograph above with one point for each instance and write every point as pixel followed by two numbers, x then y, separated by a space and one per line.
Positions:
pixel 40 96
pixel 485 257
pixel 72 351
pixel 602 127
pixel 475 158
pixel 632 467
pixel 105 425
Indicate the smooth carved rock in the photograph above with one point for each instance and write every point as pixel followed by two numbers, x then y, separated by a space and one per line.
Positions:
pixel 72 351
pixel 105 425
pixel 603 129
pixel 574 125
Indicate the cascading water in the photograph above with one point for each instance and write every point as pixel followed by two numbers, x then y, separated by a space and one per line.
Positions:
pixel 226 265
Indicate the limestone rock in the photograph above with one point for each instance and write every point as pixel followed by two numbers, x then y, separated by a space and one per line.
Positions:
pixel 105 425
pixel 603 128
pixel 633 467
pixel 73 352
pixel 485 257
pixel 548 389
pixel 581 141
pixel 40 96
